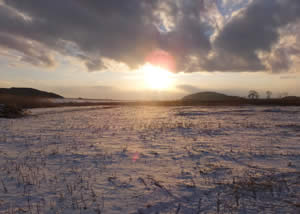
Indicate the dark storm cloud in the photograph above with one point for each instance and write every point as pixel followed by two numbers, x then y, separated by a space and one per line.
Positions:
pixel 280 61
pixel 188 41
pixel 118 30
pixel 31 53
pixel 254 29
pixel 126 31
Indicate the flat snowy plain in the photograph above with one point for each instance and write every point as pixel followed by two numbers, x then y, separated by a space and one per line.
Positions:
pixel 151 160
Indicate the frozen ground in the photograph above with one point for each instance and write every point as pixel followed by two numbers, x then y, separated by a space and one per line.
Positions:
pixel 151 160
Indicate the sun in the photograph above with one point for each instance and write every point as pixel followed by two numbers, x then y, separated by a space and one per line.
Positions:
pixel 157 78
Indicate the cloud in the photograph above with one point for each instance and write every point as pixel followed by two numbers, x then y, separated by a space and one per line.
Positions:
pixel 188 88
pixel 122 31
pixel 252 31
pixel 219 35
pixel 31 52
pixel 117 30
pixel 288 77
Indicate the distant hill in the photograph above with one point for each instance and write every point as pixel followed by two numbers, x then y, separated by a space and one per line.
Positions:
pixel 291 98
pixel 210 97
pixel 28 92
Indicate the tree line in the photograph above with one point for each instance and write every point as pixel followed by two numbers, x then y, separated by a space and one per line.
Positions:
pixel 252 94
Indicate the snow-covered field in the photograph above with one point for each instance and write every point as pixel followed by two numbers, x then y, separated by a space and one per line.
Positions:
pixel 151 160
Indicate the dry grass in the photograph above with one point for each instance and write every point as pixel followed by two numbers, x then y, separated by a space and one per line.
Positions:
pixel 13 106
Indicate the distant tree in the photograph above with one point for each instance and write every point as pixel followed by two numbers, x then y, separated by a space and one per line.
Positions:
pixel 269 94
pixel 253 94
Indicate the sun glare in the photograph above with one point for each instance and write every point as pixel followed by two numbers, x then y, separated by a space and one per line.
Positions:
pixel 156 77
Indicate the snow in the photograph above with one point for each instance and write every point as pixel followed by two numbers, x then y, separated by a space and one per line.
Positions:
pixel 151 160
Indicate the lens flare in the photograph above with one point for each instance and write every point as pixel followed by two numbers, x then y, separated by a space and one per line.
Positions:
pixel 161 59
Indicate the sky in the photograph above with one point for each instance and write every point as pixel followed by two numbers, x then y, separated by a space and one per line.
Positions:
pixel 150 49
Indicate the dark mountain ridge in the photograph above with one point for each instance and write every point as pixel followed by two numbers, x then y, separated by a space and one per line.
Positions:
pixel 213 98
pixel 210 96
pixel 28 92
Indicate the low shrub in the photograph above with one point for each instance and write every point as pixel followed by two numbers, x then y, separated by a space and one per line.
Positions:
pixel 11 111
